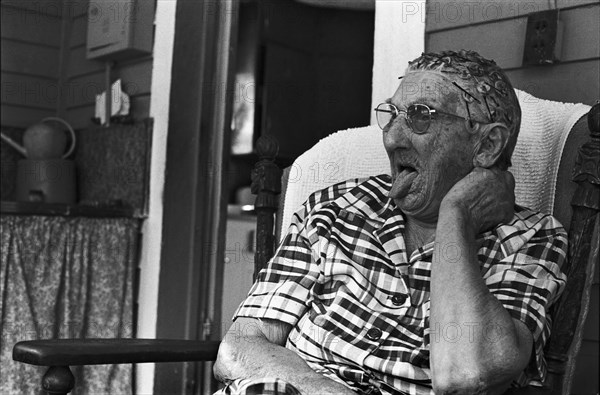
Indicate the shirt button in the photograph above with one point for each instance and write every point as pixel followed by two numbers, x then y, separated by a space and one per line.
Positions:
pixel 398 299
pixel 374 334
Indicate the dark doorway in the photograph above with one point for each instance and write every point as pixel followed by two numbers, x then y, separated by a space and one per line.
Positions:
pixel 304 72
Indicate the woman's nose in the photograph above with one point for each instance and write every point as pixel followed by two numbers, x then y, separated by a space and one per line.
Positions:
pixel 397 135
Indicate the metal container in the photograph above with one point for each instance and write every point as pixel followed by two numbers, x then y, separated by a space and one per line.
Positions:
pixel 46 180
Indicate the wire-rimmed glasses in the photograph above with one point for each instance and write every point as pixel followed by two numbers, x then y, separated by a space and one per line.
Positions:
pixel 418 116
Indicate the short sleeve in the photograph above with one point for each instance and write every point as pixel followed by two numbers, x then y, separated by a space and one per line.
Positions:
pixel 282 290
pixel 528 279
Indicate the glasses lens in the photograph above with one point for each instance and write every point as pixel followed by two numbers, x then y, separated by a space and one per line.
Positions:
pixel 419 117
pixel 385 114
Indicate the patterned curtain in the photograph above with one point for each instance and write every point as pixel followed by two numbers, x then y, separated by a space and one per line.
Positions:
pixel 66 278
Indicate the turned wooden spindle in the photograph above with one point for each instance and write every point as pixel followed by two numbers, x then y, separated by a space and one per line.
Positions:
pixel 58 380
pixel 266 185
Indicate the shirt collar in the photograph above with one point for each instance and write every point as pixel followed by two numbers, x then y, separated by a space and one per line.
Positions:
pixel 370 200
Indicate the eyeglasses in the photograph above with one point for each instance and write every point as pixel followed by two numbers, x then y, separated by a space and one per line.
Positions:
pixel 418 116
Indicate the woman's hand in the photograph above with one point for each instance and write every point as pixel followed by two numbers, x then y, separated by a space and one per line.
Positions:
pixel 485 196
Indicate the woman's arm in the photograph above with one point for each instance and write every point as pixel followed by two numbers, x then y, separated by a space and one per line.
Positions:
pixel 476 346
pixel 254 348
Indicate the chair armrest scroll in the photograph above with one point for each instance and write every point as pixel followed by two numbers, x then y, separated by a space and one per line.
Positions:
pixel 70 352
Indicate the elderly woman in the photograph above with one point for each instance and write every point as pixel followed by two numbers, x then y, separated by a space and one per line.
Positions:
pixel 431 280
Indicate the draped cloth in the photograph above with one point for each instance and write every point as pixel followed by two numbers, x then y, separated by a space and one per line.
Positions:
pixel 66 278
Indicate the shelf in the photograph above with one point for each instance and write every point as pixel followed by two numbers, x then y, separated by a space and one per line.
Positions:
pixel 68 210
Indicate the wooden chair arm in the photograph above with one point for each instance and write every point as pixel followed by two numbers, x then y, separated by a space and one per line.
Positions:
pixel 71 352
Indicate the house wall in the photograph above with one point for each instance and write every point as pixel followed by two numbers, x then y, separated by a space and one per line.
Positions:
pixel 389 36
pixel 30 43
pixel 497 31
pixel 45 71
pixel 85 78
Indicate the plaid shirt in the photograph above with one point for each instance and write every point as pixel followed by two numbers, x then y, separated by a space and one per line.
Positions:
pixel 359 306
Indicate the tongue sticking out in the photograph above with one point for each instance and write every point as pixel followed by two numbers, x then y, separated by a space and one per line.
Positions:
pixel 402 182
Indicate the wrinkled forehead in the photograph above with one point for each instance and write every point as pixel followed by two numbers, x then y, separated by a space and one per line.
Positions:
pixel 482 83
pixel 427 87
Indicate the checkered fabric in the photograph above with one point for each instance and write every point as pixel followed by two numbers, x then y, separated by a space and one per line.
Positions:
pixel 359 306
pixel 258 387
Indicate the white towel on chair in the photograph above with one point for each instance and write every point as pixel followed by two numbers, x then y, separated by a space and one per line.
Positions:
pixel 359 152
pixel 351 153
pixel 545 126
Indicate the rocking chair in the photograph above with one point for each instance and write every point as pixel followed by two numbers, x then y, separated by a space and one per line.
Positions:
pixel 578 183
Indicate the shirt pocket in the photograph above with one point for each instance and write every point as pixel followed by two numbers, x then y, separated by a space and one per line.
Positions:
pixel 356 267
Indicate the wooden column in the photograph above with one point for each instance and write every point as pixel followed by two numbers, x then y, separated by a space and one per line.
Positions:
pixel 266 185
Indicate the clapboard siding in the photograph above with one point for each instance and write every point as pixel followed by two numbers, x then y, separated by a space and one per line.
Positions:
pixel 79 31
pixel 30 45
pixel 574 79
pixel 30 59
pixel 87 77
pixel 570 82
pixel 29 91
pixel 21 117
pixel 35 63
pixel 83 90
pixel 19 24
pixel 82 114
pixel 39 8
pixel 580 38
pixel 136 70
pixel 82 97
pixel 136 76
pixel 78 65
pixel 451 14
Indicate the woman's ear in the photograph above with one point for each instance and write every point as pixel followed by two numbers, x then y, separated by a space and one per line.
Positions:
pixel 492 140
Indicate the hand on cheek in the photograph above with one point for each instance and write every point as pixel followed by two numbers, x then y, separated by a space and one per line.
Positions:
pixel 484 196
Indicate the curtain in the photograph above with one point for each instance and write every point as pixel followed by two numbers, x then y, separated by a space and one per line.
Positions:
pixel 66 277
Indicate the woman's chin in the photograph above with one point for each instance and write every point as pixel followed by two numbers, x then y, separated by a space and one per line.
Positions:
pixel 408 204
pixel 415 206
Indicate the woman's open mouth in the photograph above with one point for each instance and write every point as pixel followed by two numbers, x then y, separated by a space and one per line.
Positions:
pixel 405 175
